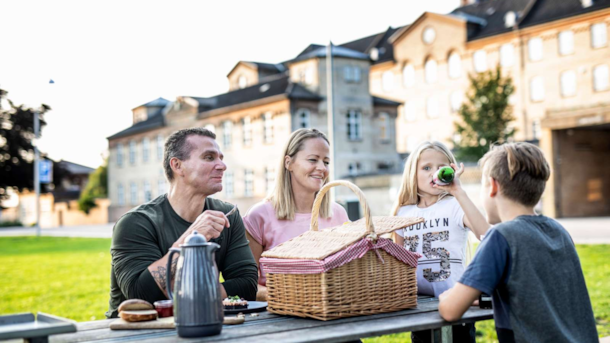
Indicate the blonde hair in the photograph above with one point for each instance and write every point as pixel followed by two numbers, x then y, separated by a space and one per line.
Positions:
pixel 282 197
pixel 408 189
pixel 521 170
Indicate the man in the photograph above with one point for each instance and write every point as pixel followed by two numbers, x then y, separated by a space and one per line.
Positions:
pixel 142 237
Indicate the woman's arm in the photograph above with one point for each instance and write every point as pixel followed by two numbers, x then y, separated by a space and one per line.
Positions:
pixel 257 251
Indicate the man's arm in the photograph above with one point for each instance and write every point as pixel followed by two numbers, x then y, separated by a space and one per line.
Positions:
pixel 454 302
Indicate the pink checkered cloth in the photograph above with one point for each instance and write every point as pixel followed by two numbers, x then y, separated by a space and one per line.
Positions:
pixel 357 250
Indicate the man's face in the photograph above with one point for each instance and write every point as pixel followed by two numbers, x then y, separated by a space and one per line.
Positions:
pixel 204 168
pixel 489 202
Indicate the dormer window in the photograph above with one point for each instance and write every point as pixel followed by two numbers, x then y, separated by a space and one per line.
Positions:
pixel 586 3
pixel 351 74
pixel 510 18
pixel 242 82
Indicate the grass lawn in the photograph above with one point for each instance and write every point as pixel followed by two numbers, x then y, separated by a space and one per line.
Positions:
pixel 70 277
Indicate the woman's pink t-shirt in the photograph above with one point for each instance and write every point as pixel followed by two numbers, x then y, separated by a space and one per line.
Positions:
pixel 268 231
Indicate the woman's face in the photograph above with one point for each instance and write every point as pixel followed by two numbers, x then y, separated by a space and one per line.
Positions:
pixel 429 162
pixel 309 167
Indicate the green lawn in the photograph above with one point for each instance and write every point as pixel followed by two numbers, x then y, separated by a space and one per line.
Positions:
pixel 69 277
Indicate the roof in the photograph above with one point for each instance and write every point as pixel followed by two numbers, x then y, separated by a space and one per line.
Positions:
pixel 337 51
pixel 384 102
pixel 75 168
pixel 153 122
pixel 159 102
pixel 269 67
pixel 379 41
pixel 274 86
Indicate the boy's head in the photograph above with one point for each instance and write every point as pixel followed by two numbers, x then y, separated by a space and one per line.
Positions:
pixel 515 171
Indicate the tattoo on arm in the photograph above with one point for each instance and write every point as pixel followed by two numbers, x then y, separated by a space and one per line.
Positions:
pixel 160 274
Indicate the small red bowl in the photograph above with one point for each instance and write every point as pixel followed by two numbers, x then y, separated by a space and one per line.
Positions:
pixel 165 308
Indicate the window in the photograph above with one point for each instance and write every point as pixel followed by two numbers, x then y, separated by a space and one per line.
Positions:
pixel 268 127
pixel 147 192
pixel 480 61
pixel 247 131
pixel 121 195
pixel 536 129
pixel 132 152
pixel 159 147
pixel 534 47
pixel 249 183
pixel 351 74
pixel 537 89
pixel 566 42
pixel 456 100
pixel 409 111
pixel 431 71
pixel 269 179
pixel 145 149
pixel 303 118
pixel 210 127
pixel 161 188
pixel 353 169
pixel 308 79
pixel 133 193
pixel 599 35
pixel 600 77
pixel 568 83
pixel 354 125
pixel 412 143
pixel 507 55
pixel 227 134
pixel 455 65
pixel 387 81
pixel 242 82
pixel 408 75
pixel 432 107
pixel 228 187
pixel 384 126
pixel 119 154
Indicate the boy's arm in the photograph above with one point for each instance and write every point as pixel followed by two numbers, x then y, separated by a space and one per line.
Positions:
pixel 455 301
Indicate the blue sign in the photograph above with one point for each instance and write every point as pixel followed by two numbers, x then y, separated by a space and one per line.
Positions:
pixel 45 170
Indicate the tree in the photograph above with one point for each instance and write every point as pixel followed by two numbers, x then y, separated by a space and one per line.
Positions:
pixel 97 187
pixel 485 116
pixel 16 149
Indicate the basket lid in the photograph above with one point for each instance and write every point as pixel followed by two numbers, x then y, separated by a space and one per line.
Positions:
pixel 317 245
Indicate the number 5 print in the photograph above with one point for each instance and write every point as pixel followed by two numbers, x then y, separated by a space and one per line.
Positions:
pixel 443 274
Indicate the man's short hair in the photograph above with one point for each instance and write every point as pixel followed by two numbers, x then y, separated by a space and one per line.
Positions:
pixel 520 169
pixel 177 146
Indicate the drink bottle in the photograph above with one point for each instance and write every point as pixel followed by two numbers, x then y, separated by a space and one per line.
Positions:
pixel 444 176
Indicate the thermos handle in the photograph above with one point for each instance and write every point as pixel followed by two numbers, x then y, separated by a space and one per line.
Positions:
pixel 168 279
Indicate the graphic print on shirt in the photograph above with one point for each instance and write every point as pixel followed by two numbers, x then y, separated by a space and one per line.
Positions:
pixel 411 243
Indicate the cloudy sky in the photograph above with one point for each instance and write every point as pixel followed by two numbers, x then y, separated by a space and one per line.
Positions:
pixel 107 57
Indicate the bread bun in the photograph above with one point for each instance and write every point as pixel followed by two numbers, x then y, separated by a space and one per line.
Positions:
pixel 135 305
pixel 138 316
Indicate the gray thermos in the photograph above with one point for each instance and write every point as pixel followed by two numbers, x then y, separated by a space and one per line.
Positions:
pixel 197 299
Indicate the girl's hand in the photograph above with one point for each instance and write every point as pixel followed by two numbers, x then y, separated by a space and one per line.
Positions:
pixel 456 186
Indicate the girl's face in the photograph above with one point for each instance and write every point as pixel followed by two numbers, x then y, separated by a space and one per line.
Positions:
pixel 309 167
pixel 429 162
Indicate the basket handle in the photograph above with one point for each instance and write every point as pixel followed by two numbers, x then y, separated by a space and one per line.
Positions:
pixel 315 211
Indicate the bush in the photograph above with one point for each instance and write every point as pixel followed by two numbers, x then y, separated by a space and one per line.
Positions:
pixel 10 223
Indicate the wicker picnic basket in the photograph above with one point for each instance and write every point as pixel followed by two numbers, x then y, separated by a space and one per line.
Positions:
pixel 308 276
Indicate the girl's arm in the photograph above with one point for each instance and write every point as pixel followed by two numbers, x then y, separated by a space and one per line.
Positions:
pixel 473 218
pixel 257 251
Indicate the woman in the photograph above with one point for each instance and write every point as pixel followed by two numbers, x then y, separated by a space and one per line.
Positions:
pixel 286 212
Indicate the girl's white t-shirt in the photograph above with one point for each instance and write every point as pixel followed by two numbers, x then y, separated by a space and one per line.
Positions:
pixel 441 240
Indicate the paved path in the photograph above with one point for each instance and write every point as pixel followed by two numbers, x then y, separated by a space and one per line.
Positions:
pixel 583 230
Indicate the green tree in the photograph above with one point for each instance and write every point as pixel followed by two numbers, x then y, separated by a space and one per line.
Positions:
pixel 97 187
pixel 485 115
pixel 16 149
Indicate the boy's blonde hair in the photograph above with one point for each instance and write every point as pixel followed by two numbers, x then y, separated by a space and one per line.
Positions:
pixel 520 169
pixel 282 197
pixel 408 189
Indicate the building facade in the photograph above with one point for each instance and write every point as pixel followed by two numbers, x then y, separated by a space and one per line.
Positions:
pixel 253 122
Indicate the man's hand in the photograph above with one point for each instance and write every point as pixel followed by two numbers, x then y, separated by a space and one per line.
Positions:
pixel 210 224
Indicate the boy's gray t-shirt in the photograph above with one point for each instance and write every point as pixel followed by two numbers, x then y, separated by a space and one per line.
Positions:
pixel 530 267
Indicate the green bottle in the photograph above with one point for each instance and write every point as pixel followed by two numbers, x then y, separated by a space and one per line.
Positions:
pixel 444 176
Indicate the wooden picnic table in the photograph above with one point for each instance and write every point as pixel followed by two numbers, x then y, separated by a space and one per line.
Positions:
pixel 268 327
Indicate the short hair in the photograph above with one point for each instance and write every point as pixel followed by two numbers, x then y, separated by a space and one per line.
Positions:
pixel 520 169
pixel 282 196
pixel 177 146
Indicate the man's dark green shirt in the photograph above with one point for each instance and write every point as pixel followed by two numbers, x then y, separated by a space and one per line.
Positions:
pixel 145 234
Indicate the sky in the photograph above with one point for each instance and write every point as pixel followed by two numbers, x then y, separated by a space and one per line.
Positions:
pixel 107 57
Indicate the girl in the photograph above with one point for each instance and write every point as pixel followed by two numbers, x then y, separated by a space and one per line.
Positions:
pixel 442 239
pixel 286 213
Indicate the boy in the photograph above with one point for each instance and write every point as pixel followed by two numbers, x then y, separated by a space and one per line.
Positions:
pixel 527 262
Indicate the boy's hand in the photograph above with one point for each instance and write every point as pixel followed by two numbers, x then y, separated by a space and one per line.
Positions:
pixel 456 186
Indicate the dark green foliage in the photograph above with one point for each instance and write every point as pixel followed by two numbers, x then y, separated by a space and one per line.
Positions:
pixel 97 187
pixel 485 115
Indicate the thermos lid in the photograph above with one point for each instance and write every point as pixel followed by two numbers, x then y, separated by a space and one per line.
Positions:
pixel 195 239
